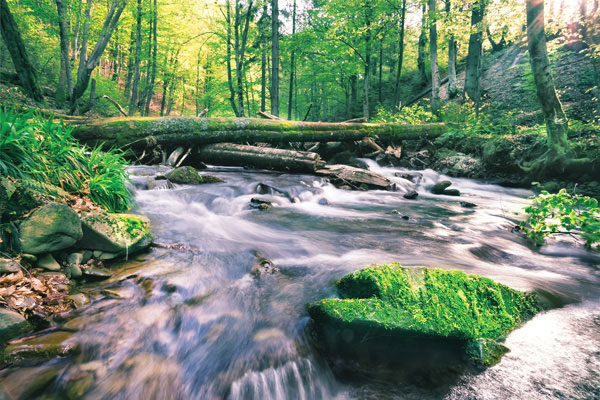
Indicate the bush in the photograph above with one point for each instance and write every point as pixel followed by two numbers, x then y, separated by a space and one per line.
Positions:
pixel 40 149
pixel 563 213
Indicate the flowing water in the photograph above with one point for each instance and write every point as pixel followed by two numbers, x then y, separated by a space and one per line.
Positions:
pixel 194 323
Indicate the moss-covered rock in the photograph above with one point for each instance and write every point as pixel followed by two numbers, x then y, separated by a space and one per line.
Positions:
pixel 189 176
pixel 12 325
pixel 421 303
pixel 120 234
pixel 53 227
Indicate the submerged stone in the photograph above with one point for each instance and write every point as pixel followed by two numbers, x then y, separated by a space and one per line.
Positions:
pixel 12 325
pixel 418 307
pixel 52 345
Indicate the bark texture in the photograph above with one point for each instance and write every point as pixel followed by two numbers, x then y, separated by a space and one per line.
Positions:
pixel 475 52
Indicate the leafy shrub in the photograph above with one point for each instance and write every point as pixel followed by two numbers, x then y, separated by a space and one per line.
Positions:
pixel 40 149
pixel 415 114
pixel 563 213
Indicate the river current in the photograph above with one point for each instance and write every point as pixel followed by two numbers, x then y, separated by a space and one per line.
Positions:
pixel 193 322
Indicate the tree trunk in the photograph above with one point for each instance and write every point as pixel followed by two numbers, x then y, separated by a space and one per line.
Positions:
pixel 259 157
pixel 452 47
pixel 421 49
pixel 275 57
pixel 88 64
pixel 380 95
pixel 65 80
pixel 263 23
pixel 433 57
pixel 475 53
pixel 228 62
pixel 176 131
pixel 154 56
pixel 400 54
pixel 16 48
pixel 367 64
pixel 556 120
pixel 292 65
pixel 136 65
pixel 130 59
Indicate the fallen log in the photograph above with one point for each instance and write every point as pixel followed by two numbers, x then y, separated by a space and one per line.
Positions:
pixel 239 155
pixel 175 131
pixel 355 178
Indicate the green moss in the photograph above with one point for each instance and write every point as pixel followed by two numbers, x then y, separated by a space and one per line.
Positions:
pixel 429 301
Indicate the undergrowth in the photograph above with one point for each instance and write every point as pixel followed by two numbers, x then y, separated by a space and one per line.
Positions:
pixel 42 150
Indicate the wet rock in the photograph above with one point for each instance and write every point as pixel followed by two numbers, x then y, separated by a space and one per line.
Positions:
pixel 411 195
pixel 78 387
pixel 467 204
pixel 53 227
pixel 120 234
pixel 439 187
pixel 8 265
pixel 75 271
pixel 29 257
pixel 148 286
pixel 451 192
pixel 29 383
pixel 379 314
pixel 12 325
pixel 263 188
pixel 79 299
pixel 96 274
pixel 263 266
pixel 75 258
pixel 458 164
pixel 189 176
pixel 47 346
pixel 48 263
pixel 356 178
pixel 259 204
pixel 323 201
pixel 169 288
pixel 118 293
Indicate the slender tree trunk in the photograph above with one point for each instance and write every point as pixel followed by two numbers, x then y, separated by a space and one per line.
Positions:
pixel 433 57
pixel 154 56
pixel 556 120
pixel 475 53
pixel 228 62
pixel 380 97
pixel 452 90
pixel 400 54
pixel 136 64
pixel 130 60
pixel 75 43
pixel 292 65
pixel 275 58
pixel 144 92
pixel 354 94
pixel 263 24
pixel 421 49
pixel 87 66
pixel 65 80
pixel 367 64
pixel 12 38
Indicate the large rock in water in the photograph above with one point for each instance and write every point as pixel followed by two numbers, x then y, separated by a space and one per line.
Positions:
pixel 119 234
pixel 188 175
pixel 392 311
pixel 53 227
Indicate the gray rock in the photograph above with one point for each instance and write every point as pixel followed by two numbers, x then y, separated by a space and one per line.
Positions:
pixel 41 347
pixel 12 325
pixel 8 266
pixel 189 176
pixel 53 227
pixel 460 165
pixel 451 192
pixel 411 195
pixel 79 299
pixel 48 263
pixel 97 274
pixel 75 271
pixel 97 253
pixel 75 258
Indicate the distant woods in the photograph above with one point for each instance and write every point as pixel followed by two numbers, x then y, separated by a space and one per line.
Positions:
pixel 320 60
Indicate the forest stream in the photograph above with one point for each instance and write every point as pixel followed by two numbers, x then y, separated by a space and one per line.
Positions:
pixel 193 322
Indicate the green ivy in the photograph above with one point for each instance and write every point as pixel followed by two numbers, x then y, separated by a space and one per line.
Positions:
pixel 563 213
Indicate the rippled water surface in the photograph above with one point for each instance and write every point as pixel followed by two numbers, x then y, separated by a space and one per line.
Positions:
pixel 194 323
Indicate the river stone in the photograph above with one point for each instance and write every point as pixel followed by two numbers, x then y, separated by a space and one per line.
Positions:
pixel 48 263
pixel 189 176
pixel 119 234
pixel 29 382
pixel 8 266
pixel 439 187
pixel 12 325
pixel 79 299
pixel 96 274
pixel 53 227
pixel 419 308
pixel 411 195
pixel 75 258
pixel 51 345
pixel 75 271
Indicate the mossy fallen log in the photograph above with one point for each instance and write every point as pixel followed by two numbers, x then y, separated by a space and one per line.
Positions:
pixel 392 312
pixel 231 154
pixel 175 131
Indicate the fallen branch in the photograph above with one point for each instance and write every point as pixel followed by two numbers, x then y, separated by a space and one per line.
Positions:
pixel 121 110
pixel 266 115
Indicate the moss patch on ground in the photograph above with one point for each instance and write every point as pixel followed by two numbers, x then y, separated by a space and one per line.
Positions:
pixel 426 302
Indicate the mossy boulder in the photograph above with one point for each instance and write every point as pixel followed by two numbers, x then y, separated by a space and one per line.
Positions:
pixel 401 307
pixel 12 325
pixel 51 228
pixel 189 176
pixel 119 234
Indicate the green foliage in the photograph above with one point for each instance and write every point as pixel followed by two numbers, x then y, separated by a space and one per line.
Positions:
pixel 563 213
pixel 415 114
pixel 41 150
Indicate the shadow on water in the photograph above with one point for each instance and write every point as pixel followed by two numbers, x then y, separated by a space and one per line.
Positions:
pixel 196 324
